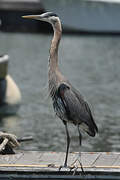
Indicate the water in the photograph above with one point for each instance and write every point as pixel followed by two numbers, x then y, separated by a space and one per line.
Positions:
pixel 91 63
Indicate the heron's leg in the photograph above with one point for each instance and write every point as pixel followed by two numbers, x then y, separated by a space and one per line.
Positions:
pixel 68 144
pixel 79 157
pixel 80 142
pixel 80 136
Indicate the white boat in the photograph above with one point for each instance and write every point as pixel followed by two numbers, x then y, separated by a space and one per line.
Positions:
pixel 10 96
pixel 100 16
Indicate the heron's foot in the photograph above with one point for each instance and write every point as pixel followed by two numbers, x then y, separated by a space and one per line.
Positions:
pixel 7 143
pixel 72 168
pixel 66 168
pixel 75 165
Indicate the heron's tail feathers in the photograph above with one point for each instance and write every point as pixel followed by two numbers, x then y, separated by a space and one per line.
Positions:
pixel 91 129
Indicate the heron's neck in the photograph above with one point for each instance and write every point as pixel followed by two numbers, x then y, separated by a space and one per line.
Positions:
pixel 53 61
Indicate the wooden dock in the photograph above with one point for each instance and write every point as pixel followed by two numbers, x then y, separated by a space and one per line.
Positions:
pixel 45 165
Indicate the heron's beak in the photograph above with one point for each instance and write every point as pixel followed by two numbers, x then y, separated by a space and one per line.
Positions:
pixel 37 17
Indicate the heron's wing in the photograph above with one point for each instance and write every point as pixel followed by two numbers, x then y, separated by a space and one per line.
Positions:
pixel 78 111
pixel 81 98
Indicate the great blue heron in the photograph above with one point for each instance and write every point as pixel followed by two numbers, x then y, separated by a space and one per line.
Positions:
pixel 68 103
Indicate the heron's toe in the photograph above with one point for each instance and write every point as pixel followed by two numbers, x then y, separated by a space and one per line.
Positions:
pixel 65 168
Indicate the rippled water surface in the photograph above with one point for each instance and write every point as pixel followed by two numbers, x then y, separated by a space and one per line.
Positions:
pixel 91 63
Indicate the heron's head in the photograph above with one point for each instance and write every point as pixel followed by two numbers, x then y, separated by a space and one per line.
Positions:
pixel 47 17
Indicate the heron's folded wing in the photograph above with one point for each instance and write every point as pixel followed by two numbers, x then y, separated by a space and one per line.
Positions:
pixel 74 108
pixel 78 111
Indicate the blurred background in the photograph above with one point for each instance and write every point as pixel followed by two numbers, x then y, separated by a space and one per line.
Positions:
pixel 89 56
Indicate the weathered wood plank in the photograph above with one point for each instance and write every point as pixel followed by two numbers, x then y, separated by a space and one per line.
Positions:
pixel 88 159
pixel 10 159
pixel 106 159
pixel 45 165
pixel 94 159
pixel 117 162
pixel 30 157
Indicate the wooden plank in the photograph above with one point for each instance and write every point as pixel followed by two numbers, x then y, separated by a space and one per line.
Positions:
pixel 106 159
pixel 45 165
pixel 10 159
pixel 53 158
pixel 30 157
pixel 117 162
pixel 45 159
pixel 88 159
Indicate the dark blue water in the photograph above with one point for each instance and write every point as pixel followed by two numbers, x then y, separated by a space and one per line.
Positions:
pixel 91 63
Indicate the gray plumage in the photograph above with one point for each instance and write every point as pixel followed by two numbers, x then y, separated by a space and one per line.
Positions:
pixel 70 106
